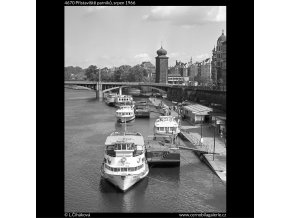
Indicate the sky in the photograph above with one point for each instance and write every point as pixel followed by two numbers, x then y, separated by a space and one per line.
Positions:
pixel 110 36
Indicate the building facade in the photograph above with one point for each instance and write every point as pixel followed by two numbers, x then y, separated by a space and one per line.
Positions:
pixel 175 78
pixel 218 64
pixel 161 66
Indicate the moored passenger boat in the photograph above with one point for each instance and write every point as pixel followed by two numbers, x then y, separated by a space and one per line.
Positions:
pixel 166 125
pixel 124 159
pixel 110 99
pixel 125 113
pixel 124 100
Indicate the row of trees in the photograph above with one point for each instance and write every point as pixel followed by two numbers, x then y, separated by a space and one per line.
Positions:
pixel 74 73
pixel 124 73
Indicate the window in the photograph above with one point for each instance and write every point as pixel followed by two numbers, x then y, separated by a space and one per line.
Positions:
pixel 161 128
pixel 123 146
pixel 123 169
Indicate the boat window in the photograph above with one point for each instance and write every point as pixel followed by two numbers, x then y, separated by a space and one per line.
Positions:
pixel 166 129
pixel 123 146
pixel 110 147
pixel 122 169
pixel 161 128
pixel 130 147
pixel 117 169
pixel 173 129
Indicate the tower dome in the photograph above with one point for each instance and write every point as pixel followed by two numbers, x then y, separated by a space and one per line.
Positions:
pixel 222 38
pixel 161 52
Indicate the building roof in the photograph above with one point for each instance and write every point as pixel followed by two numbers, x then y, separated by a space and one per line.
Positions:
pixel 198 109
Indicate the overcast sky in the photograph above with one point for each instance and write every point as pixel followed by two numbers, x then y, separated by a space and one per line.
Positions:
pixel 114 36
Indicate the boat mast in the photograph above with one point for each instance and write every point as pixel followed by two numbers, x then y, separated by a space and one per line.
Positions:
pixel 125 126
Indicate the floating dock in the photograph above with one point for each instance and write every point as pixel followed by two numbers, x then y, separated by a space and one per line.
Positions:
pixel 162 154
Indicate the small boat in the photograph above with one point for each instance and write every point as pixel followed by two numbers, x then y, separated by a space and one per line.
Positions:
pixel 125 113
pixel 166 125
pixel 123 100
pixel 124 161
pixel 110 99
pixel 142 109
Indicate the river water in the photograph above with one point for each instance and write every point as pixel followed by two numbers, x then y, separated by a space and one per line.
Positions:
pixel 192 187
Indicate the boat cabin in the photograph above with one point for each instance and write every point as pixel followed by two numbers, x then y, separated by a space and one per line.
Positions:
pixel 122 149
pixel 123 169
pixel 124 98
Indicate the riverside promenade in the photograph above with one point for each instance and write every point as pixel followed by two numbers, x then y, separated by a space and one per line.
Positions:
pixel 202 138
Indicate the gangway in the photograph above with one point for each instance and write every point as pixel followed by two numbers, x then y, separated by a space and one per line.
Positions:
pixel 195 149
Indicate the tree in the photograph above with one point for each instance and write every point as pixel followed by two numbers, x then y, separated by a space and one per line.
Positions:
pixel 122 74
pixel 138 74
pixel 76 73
pixel 91 73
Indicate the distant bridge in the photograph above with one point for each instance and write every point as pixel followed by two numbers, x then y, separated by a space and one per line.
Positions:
pixel 210 95
pixel 162 86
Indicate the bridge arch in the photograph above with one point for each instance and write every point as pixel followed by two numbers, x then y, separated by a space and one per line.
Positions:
pixel 113 88
pixel 110 89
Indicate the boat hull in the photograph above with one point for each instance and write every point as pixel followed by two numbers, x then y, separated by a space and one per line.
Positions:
pixel 126 181
pixel 110 103
pixel 125 119
pixel 174 134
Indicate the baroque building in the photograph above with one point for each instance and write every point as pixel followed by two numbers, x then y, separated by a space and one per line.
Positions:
pixel 218 64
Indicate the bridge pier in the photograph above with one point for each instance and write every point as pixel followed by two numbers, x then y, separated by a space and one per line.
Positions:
pixel 99 91
pixel 99 94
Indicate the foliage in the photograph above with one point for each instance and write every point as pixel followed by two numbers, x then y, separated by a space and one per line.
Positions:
pixel 74 73
pixel 91 73
pixel 124 73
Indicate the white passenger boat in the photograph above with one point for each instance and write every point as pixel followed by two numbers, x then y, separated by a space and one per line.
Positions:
pixel 124 159
pixel 125 113
pixel 166 125
pixel 110 99
pixel 123 100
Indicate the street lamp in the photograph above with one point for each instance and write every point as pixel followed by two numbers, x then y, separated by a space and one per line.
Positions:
pixel 214 139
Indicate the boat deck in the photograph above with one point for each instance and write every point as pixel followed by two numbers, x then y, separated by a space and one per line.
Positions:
pixel 163 154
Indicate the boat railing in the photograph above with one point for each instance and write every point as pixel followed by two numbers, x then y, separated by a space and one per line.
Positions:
pixel 126 133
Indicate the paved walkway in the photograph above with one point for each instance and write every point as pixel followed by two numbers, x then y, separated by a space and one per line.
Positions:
pixel 208 142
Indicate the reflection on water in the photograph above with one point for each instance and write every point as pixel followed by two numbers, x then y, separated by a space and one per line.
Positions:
pixel 192 187
pixel 123 202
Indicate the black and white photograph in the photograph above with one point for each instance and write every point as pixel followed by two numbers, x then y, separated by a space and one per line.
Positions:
pixel 145 109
